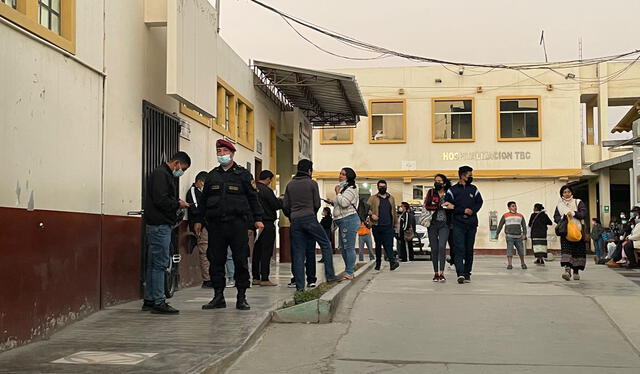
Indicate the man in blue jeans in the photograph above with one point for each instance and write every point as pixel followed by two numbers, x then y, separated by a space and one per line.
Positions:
pixel 465 200
pixel 301 204
pixel 161 205
pixel 384 218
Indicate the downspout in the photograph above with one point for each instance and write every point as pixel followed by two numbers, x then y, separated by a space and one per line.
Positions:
pixel 103 146
pixel 218 16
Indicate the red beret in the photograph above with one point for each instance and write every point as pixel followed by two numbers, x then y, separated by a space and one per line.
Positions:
pixel 226 144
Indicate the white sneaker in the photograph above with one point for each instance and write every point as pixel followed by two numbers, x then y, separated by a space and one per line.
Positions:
pixel 291 285
pixel 311 285
pixel 231 283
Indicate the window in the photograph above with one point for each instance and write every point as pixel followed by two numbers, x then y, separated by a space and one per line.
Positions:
pixel 519 119
pixel 387 123
pixel 195 115
pixel 336 136
pixel 11 3
pixel 227 119
pixel 49 14
pixel 418 192
pixel 452 120
pixel 245 122
pixel 227 110
pixel 51 20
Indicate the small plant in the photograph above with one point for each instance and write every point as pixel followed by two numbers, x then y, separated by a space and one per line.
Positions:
pixel 303 296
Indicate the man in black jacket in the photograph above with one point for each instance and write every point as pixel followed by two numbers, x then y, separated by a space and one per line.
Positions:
pixel 263 248
pixel 161 205
pixel 202 241
pixel 230 204
pixel 465 200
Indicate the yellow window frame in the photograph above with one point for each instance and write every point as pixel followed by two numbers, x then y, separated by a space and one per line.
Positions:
pixel 433 120
pixel 530 139
pixel 25 15
pixel 245 129
pixel 323 141
pixel 196 116
pixel 404 121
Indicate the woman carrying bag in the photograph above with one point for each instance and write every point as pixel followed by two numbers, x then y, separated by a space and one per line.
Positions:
pixel 539 223
pixel 440 224
pixel 569 216
pixel 407 232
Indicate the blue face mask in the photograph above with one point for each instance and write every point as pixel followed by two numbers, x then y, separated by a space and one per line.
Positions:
pixel 178 173
pixel 343 184
pixel 224 159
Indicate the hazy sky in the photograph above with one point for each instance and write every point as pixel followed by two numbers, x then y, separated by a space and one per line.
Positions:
pixel 463 30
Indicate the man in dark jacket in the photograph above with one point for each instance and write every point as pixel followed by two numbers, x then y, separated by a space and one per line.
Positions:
pixel 161 205
pixel 466 201
pixel 301 204
pixel 263 248
pixel 230 204
pixel 202 241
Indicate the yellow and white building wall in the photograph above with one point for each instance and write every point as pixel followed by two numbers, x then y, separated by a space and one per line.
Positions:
pixel 521 132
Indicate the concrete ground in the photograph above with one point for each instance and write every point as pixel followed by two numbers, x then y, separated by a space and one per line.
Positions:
pixel 123 339
pixel 505 321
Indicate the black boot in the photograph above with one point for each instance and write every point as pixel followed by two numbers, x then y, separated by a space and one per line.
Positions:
pixel 241 302
pixel 218 300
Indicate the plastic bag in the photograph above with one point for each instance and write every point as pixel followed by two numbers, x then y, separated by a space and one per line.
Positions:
pixel 574 234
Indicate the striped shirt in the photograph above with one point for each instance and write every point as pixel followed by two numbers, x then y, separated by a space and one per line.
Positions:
pixel 514 225
pixel 346 203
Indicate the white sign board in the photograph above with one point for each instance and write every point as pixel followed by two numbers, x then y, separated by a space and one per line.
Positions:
pixel 302 131
pixel 191 54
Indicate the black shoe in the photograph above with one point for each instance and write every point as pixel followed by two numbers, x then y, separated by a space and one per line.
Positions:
pixel 207 284
pixel 394 265
pixel 164 308
pixel 467 279
pixel 460 279
pixel 217 302
pixel 147 305
pixel 242 304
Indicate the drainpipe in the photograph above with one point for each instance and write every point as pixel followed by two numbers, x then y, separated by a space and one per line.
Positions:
pixel 218 15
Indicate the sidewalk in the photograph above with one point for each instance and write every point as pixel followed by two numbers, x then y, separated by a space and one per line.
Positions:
pixel 132 341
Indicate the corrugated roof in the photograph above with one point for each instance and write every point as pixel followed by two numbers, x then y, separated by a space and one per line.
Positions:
pixel 626 123
pixel 327 99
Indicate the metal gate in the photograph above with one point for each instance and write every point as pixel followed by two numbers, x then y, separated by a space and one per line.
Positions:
pixel 160 141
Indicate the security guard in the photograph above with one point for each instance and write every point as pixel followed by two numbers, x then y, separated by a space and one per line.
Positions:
pixel 231 205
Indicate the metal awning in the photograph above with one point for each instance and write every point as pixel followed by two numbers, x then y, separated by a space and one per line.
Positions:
pixel 327 99
pixel 612 162
pixel 626 123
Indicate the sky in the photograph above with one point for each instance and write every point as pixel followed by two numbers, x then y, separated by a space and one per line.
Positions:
pixel 478 31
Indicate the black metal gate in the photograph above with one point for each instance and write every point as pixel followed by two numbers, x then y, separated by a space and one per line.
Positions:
pixel 160 141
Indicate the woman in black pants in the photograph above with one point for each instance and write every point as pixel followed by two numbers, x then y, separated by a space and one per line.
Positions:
pixel 407 225
pixel 440 224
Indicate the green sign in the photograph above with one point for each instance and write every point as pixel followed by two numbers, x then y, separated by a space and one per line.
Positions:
pixel 606 208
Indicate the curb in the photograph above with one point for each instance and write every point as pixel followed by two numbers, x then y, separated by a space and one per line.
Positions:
pixel 323 309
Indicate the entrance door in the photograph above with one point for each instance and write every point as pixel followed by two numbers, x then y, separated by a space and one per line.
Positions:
pixel 258 168
pixel 160 140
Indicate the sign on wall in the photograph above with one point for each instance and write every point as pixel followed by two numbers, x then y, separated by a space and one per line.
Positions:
pixel 302 131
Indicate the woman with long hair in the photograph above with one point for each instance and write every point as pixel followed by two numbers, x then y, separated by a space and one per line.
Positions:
pixel 539 223
pixel 407 232
pixel 574 254
pixel 345 215
pixel 440 224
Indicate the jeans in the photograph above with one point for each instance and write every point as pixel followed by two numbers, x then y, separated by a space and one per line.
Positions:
pixel 229 267
pixel 368 241
pixel 158 242
pixel 438 236
pixel 598 244
pixel 383 236
pixel 305 232
pixel 464 237
pixel 517 243
pixel 224 237
pixel 348 227
pixel 262 252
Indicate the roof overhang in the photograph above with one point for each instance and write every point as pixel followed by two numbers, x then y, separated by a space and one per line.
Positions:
pixel 327 99
pixel 612 162
pixel 626 123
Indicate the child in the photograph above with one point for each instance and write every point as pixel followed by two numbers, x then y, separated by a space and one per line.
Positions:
pixel 515 229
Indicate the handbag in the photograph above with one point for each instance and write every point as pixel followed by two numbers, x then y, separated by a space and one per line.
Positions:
pixel 574 234
pixel 425 218
pixel 409 234
pixel 561 227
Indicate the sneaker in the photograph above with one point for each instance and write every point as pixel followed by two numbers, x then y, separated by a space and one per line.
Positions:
pixel 442 278
pixel 147 305
pixel 467 279
pixel 311 285
pixel 524 266
pixel 291 285
pixel 267 284
pixel 460 279
pixel 256 282
pixel 509 267
pixel 231 283
pixel 576 276
pixel 394 265
pixel 207 284
pixel 164 308
pixel 436 278
pixel 567 274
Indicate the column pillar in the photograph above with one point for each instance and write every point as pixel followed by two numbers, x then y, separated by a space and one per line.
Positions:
pixel 603 110
pixel 593 199
pixel 605 196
